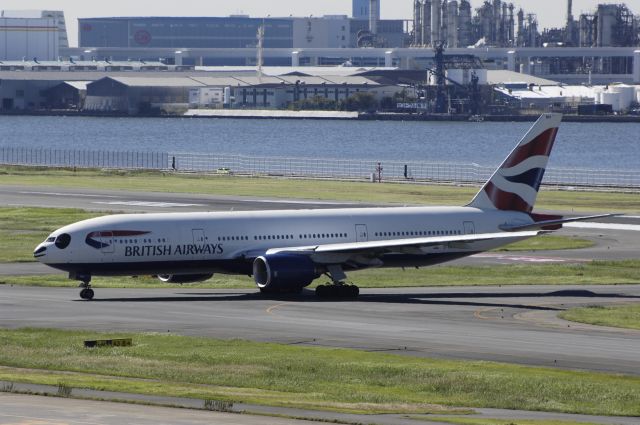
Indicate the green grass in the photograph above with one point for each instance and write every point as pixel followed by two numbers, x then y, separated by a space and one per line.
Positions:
pixel 419 194
pixel 305 377
pixel 548 243
pixel 594 273
pixel 491 421
pixel 624 316
pixel 22 229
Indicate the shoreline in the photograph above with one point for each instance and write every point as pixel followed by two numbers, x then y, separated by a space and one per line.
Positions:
pixel 323 116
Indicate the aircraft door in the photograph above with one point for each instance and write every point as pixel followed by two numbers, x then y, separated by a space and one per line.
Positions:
pixel 469 228
pixel 361 233
pixel 107 242
pixel 199 241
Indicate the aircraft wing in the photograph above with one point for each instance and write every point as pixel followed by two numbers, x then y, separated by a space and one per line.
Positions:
pixel 400 245
pixel 553 224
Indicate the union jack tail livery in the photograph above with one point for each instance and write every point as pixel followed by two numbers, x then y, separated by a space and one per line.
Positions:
pixel 515 184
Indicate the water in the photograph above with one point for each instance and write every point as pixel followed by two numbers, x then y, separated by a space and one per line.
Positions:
pixel 591 146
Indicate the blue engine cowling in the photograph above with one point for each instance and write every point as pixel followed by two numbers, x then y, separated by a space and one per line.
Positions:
pixel 281 273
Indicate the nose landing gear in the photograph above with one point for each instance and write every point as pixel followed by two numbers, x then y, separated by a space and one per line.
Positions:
pixel 86 293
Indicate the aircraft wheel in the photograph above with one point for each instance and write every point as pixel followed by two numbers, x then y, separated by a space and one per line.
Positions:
pixel 87 294
pixel 322 291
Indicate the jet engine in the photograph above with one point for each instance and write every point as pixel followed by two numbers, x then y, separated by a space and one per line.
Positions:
pixel 284 273
pixel 184 278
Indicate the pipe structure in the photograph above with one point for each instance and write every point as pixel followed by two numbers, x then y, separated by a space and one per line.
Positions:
pixel 435 22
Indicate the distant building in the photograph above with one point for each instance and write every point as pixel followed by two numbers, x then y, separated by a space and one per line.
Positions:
pixel 56 15
pixel 361 9
pixel 235 32
pixel 29 38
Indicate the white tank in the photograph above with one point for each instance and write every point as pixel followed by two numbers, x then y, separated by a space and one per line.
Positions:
pixel 638 94
pixel 613 99
pixel 627 95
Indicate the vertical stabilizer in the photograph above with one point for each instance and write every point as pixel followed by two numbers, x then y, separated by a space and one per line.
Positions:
pixel 515 184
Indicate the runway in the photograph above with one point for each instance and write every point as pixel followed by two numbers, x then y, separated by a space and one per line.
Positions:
pixel 455 323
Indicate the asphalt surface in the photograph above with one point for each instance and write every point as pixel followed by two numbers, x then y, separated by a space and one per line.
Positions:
pixel 82 410
pixel 455 323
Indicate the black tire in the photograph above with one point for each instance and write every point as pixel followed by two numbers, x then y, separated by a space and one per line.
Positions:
pixel 87 294
pixel 322 291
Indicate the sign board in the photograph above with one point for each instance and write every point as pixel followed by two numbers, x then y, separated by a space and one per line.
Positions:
pixel 128 342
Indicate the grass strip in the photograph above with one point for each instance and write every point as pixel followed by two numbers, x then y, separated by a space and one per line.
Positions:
pixel 593 273
pixel 623 316
pixel 23 228
pixel 305 377
pixel 419 194
pixel 492 421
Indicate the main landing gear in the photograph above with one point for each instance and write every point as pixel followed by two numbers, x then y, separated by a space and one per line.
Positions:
pixel 337 288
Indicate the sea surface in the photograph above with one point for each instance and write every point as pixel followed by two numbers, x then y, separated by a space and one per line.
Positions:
pixel 579 145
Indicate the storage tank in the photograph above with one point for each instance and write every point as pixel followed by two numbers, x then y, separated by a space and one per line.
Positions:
pixel 613 99
pixel 638 94
pixel 627 95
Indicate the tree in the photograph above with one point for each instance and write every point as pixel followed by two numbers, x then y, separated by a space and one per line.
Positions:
pixel 361 101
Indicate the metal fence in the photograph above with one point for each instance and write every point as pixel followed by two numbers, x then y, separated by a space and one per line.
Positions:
pixel 83 158
pixel 302 167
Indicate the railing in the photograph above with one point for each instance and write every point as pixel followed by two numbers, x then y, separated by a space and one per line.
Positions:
pixel 301 167
pixel 83 158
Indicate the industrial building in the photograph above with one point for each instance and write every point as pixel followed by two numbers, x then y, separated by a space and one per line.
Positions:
pixel 138 90
pixel 22 38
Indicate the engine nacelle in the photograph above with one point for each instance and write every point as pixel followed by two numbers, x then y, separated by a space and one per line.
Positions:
pixel 282 273
pixel 184 278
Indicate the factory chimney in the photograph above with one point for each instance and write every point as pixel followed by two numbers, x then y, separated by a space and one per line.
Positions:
pixel 374 17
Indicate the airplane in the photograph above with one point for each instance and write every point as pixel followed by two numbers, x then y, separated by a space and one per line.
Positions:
pixel 285 251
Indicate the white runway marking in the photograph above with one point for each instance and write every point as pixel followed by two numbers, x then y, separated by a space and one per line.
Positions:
pixel 284 201
pixel 526 259
pixel 604 226
pixel 82 195
pixel 149 204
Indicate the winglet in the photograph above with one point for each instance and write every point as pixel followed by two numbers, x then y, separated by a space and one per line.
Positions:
pixel 515 184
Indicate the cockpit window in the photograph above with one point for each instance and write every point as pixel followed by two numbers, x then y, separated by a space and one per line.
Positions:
pixel 51 239
pixel 63 241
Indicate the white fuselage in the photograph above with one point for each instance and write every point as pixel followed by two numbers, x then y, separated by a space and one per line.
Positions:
pixel 225 242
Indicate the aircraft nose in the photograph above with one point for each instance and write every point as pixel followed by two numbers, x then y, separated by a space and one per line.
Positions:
pixel 40 251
